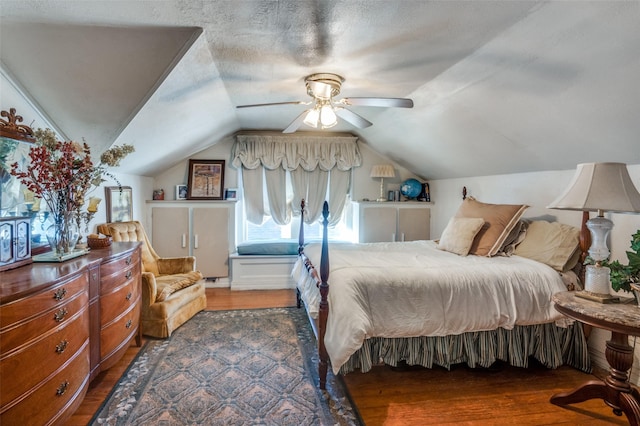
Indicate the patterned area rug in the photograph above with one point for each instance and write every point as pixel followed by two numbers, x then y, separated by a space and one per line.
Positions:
pixel 245 367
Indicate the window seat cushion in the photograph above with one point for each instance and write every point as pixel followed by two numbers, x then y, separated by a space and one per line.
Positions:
pixel 268 247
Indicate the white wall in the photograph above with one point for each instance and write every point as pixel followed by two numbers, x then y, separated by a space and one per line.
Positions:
pixel 538 190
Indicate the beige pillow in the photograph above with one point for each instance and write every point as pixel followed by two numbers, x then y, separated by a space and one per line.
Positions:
pixel 500 219
pixel 459 234
pixel 551 243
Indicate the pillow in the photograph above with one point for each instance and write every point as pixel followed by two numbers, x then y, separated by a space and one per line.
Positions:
pixel 500 219
pixel 552 243
pixel 459 234
pixel 514 238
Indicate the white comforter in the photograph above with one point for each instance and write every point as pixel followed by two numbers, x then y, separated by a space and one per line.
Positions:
pixel 414 289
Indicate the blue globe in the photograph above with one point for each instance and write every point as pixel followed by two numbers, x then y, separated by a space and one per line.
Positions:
pixel 411 188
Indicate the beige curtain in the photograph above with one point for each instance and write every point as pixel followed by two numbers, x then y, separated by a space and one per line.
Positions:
pixel 314 162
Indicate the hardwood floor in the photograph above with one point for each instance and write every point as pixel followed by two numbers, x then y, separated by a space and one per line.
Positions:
pixel 417 396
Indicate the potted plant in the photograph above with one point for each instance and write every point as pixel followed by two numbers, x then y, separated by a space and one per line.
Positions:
pixel 626 277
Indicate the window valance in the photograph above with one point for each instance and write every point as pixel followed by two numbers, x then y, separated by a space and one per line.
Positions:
pixel 292 151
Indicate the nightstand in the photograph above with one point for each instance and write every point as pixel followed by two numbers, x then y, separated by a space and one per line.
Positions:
pixel 623 320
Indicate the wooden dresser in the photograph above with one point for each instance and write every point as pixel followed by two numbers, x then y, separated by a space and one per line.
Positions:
pixel 60 325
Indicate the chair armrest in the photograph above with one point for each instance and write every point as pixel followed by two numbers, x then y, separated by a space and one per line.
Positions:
pixel 176 265
pixel 149 289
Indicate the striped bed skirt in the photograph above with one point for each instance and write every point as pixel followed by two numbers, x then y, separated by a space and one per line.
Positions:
pixel 550 344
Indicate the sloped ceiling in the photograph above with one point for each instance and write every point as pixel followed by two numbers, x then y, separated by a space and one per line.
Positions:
pixel 499 87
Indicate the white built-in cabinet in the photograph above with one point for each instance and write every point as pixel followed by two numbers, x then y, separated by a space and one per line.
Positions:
pixel 204 229
pixel 391 221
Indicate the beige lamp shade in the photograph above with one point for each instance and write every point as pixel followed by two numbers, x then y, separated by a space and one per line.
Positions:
pixel 382 171
pixel 600 187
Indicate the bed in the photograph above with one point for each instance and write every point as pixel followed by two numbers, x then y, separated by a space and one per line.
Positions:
pixel 419 304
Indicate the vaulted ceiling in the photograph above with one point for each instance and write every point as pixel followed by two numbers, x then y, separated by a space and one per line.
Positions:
pixel 499 86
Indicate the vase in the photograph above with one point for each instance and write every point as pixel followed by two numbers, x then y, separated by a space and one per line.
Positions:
pixel 62 235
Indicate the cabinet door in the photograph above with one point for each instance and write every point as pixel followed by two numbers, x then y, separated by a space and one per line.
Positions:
pixel 377 224
pixel 414 224
pixel 211 241
pixel 170 234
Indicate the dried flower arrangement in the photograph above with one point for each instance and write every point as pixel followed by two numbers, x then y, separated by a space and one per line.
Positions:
pixel 61 173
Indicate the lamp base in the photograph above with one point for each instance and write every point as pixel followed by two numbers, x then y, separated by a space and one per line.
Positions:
pixel 381 200
pixel 598 297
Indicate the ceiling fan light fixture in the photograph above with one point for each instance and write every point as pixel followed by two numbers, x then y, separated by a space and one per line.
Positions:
pixel 328 117
pixel 311 119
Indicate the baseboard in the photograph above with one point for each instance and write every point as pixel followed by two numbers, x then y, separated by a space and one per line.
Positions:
pixel 222 282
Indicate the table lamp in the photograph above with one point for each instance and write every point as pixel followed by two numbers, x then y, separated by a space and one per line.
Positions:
pixel 382 171
pixel 599 187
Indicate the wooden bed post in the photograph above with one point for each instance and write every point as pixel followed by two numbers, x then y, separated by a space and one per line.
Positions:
pixel 324 304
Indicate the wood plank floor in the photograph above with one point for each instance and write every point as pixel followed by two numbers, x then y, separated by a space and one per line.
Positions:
pixel 417 396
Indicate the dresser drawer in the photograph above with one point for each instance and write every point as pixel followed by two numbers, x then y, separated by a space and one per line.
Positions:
pixel 118 333
pixel 116 270
pixel 54 296
pixel 23 369
pixel 55 397
pixel 119 300
pixel 23 334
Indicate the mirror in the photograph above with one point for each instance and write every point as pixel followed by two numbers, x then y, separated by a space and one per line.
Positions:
pixel 15 141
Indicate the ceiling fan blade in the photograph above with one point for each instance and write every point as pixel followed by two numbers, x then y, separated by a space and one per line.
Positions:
pixel 353 118
pixel 379 102
pixel 274 103
pixel 296 123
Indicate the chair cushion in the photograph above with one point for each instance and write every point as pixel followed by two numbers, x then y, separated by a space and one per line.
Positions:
pixel 169 284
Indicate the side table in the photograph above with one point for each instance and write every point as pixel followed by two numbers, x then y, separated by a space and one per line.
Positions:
pixel 623 320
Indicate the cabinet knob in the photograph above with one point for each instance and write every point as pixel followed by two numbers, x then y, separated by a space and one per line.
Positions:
pixel 59 316
pixel 128 261
pixel 129 324
pixel 128 274
pixel 128 296
pixel 62 388
pixel 60 294
pixel 60 347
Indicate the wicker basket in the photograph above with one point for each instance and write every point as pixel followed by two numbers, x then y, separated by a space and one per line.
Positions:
pixel 98 243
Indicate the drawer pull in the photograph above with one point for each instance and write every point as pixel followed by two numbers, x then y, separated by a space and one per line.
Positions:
pixel 129 274
pixel 128 261
pixel 59 316
pixel 129 324
pixel 60 294
pixel 62 388
pixel 60 347
pixel 128 297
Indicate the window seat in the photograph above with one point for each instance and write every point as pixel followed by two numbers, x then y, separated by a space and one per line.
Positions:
pixel 263 265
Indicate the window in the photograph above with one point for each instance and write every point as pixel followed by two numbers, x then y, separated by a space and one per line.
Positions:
pixel 269 230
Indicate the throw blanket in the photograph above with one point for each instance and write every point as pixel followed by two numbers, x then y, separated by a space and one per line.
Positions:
pixel 414 289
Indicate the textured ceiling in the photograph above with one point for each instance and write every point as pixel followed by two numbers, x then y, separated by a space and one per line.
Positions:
pixel 499 87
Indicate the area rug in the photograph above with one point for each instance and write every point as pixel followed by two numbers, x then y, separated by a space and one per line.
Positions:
pixel 243 367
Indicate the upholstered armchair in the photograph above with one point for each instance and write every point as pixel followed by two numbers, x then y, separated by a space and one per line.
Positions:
pixel 172 289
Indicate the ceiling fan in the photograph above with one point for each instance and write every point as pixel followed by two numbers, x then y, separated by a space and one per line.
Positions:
pixel 323 87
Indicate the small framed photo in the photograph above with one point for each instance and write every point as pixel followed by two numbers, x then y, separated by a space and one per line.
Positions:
pixel 119 203
pixel 206 180
pixel 231 194
pixel 181 192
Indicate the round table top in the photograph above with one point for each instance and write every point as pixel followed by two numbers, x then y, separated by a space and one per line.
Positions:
pixel 619 317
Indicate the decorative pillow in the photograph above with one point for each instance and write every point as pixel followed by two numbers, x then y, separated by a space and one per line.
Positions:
pixel 551 243
pixel 500 219
pixel 459 234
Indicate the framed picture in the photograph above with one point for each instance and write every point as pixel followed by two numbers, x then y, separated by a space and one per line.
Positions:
pixel 206 180
pixel 231 194
pixel 119 203
pixel 181 192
